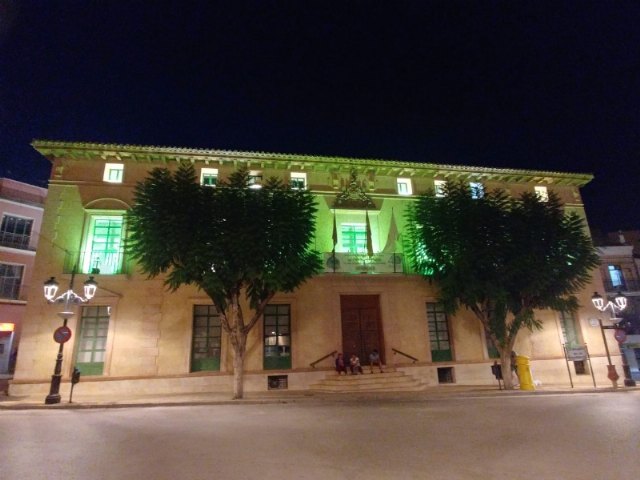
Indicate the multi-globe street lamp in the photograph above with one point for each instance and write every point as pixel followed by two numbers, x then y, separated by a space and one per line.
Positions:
pixel 62 334
pixel 618 304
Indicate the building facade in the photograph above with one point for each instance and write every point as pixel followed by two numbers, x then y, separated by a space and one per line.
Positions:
pixel 136 336
pixel 21 208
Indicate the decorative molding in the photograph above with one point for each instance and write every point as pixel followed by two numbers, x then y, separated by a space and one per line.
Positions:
pixel 353 196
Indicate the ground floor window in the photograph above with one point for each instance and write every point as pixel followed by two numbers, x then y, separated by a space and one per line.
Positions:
pixel 277 337
pixel 570 336
pixel 492 350
pixel 207 338
pixel 439 333
pixel 92 339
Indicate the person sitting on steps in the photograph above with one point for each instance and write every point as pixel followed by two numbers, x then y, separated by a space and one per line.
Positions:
pixel 354 363
pixel 340 365
pixel 374 359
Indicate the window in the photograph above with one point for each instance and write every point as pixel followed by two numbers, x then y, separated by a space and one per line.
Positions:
pixel 113 172
pixel 209 177
pixel 404 186
pixel 615 274
pixel 207 339
pixel 492 350
pixel 438 187
pixel 438 333
pixel 255 179
pixel 298 181
pixel 10 280
pixel 569 330
pixel 541 193
pixel 354 237
pixel 92 339
pixel 477 189
pixel 277 337
pixel 104 246
pixel 15 231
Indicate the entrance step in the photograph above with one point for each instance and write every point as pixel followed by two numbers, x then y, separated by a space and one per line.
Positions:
pixel 389 381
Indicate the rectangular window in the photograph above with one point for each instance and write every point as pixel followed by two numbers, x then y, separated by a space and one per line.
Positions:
pixel 113 172
pixel 277 337
pixel 354 237
pixel 92 339
pixel 104 245
pixel 255 179
pixel 542 193
pixel 206 339
pixel 404 186
pixel 438 333
pixel 438 187
pixel 477 189
pixel 492 351
pixel 15 232
pixel 569 330
pixel 298 180
pixel 10 280
pixel 209 177
pixel 616 276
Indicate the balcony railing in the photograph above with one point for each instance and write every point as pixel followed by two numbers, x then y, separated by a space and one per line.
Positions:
pixel 631 285
pixel 95 263
pixel 15 240
pixel 11 289
pixel 344 262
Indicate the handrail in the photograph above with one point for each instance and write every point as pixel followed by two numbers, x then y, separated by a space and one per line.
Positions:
pixel 406 355
pixel 313 364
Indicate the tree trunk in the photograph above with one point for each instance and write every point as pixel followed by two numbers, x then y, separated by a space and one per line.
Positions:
pixel 508 370
pixel 239 343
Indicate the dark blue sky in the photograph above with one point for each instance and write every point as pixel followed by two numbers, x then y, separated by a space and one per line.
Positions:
pixel 537 85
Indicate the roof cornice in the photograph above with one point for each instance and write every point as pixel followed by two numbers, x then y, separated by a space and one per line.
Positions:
pixel 153 154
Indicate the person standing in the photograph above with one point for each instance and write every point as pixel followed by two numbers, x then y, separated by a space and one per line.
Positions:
pixel 374 359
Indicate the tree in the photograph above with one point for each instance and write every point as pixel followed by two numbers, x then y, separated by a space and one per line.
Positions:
pixel 229 240
pixel 500 257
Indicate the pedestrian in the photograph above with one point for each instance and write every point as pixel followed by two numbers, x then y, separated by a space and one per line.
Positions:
pixel 374 359
pixel 340 365
pixel 354 363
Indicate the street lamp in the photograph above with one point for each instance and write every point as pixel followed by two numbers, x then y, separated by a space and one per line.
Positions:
pixel 63 334
pixel 618 305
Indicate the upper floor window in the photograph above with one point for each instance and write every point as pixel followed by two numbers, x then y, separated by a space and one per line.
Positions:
pixel 298 180
pixel 438 187
pixel 616 276
pixel 10 280
pixel 104 245
pixel 255 179
pixel 209 177
pixel 542 193
pixel 113 172
pixel 477 189
pixel 15 231
pixel 404 186
pixel 354 237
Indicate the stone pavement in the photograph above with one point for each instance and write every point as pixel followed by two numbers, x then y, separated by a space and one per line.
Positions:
pixel 288 396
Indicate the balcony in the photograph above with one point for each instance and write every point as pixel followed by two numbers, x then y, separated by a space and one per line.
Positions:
pixel 11 289
pixel 631 285
pixel 15 240
pixel 345 262
pixel 95 263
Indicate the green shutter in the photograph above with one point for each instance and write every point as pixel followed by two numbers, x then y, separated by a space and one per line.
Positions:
pixel 206 339
pixel 92 340
pixel 277 337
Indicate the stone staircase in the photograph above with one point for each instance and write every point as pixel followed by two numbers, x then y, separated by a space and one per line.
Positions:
pixel 389 381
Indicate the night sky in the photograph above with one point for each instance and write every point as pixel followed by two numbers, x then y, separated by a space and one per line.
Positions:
pixel 534 85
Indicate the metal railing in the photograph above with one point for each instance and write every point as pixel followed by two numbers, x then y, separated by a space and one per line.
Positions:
pixel 96 263
pixel 630 285
pixel 15 240
pixel 313 364
pixel 404 355
pixel 11 289
pixel 345 262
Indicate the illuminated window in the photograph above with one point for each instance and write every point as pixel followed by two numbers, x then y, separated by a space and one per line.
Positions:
pixel 255 179
pixel 104 245
pixel 15 231
pixel 113 172
pixel 92 339
pixel 10 280
pixel 277 337
pixel 569 330
pixel 438 187
pixel 207 338
pixel 298 181
pixel 542 193
pixel 354 237
pixel 616 276
pixel 477 189
pixel 404 186
pixel 209 177
pixel 438 333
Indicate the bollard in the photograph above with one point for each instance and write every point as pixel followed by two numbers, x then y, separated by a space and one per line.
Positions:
pixel 524 373
pixel 75 378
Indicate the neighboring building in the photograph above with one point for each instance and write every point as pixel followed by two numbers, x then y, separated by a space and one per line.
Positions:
pixel 21 207
pixel 136 336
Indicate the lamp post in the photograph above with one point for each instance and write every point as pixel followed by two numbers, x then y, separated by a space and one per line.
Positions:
pixel 63 334
pixel 618 305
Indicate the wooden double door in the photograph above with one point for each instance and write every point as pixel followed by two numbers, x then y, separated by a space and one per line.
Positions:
pixel 361 328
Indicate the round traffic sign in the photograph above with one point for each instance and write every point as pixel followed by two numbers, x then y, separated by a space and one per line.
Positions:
pixel 62 334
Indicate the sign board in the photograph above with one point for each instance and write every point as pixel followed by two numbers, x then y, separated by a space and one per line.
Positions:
pixel 577 354
pixel 62 334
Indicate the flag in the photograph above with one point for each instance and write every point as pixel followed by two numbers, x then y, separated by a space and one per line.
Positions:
pixel 369 242
pixel 393 236
pixel 334 236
